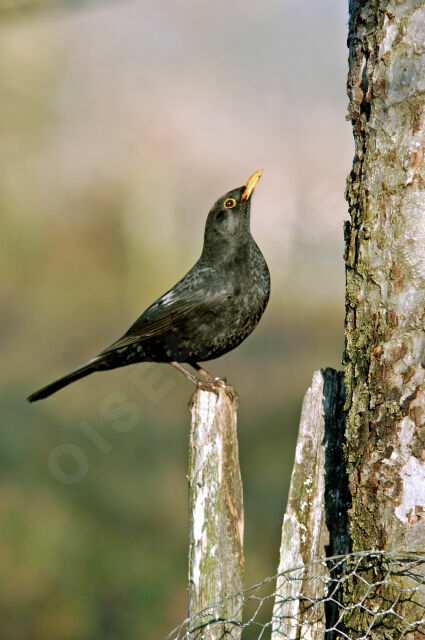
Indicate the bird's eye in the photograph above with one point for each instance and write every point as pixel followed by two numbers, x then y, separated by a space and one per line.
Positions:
pixel 230 203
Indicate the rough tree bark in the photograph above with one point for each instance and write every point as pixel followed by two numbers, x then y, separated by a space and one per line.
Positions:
pixel 216 560
pixel 385 293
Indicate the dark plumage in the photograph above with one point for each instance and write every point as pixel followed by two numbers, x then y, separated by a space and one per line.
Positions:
pixel 208 312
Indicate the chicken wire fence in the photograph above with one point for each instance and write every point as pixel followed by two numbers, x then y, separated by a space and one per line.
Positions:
pixel 359 596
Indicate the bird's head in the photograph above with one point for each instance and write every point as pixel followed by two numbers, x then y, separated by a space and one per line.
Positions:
pixel 228 220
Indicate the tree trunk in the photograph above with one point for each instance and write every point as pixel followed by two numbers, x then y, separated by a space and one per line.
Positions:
pixel 216 525
pixel 385 293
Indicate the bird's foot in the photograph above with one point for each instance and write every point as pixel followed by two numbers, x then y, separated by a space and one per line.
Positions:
pixel 218 382
pixel 221 383
pixel 210 383
pixel 207 385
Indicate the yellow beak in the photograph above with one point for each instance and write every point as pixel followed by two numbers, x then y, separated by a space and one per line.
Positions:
pixel 251 184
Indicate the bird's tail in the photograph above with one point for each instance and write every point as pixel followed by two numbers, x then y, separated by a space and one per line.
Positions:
pixel 80 372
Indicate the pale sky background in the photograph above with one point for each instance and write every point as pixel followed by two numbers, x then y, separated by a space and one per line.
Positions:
pixel 121 122
pixel 174 104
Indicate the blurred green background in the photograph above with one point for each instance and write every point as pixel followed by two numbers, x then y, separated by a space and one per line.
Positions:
pixel 120 124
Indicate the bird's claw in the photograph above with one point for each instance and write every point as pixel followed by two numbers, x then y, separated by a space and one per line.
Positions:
pixel 214 383
pixel 206 385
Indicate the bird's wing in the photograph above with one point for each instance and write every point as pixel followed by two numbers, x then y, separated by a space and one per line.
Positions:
pixel 182 304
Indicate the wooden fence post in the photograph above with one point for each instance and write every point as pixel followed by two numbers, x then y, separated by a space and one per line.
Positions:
pixel 216 525
pixel 316 521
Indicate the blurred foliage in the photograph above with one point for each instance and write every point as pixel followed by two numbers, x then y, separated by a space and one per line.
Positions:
pixel 17 7
pixel 120 123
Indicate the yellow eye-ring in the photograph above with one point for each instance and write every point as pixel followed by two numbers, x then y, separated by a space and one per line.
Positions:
pixel 230 203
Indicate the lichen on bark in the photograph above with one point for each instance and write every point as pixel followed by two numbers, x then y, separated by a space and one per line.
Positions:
pixel 385 270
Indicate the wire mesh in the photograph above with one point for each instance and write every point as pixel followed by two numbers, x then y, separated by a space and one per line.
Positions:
pixel 370 595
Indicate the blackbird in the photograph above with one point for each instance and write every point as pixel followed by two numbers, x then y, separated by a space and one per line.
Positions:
pixel 207 313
